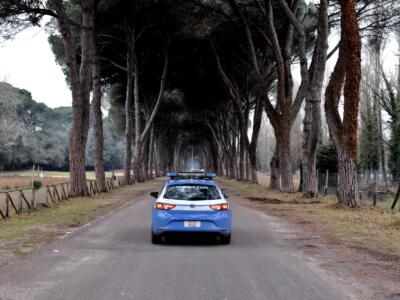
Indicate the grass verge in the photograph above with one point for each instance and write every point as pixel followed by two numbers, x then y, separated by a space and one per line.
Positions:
pixel 370 229
pixel 21 234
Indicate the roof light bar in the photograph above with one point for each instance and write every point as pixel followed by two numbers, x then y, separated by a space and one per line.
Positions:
pixel 191 175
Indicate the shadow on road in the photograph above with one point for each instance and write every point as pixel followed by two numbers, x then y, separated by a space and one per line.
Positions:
pixel 191 239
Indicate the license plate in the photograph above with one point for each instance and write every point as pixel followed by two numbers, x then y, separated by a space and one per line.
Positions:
pixel 192 223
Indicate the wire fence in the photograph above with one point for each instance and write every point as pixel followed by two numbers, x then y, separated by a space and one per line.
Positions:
pixel 373 187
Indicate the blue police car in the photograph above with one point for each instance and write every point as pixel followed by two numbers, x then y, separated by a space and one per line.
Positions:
pixel 191 202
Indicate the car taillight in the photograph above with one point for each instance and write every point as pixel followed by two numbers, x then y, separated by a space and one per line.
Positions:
pixel 223 206
pixel 164 206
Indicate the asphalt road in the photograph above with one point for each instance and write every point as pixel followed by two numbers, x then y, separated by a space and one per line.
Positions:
pixel 113 258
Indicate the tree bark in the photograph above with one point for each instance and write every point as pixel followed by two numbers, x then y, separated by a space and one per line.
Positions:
pixel 312 117
pixel 137 167
pixel 129 40
pixel 282 122
pixel 254 139
pixel 284 156
pixel 151 153
pixel 347 190
pixel 98 126
pixel 347 72
pixel 242 148
pixel 145 158
pixel 80 79
pixel 275 182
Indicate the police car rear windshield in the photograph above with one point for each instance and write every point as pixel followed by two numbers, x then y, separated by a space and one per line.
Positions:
pixel 192 192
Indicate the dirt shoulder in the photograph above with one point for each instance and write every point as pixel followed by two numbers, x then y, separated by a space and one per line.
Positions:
pixel 361 244
pixel 24 233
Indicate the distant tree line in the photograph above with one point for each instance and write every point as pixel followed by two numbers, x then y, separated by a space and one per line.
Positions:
pixel 33 133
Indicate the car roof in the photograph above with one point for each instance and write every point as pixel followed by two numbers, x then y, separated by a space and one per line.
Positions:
pixel 186 181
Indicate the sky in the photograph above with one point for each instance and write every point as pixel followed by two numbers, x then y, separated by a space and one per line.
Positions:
pixel 27 62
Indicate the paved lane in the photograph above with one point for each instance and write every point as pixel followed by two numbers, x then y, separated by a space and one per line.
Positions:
pixel 114 259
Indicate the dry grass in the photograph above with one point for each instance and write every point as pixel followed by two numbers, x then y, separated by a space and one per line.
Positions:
pixel 23 179
pixel 23 233
pixel 264 179
pixel 371 229
pixel 16 181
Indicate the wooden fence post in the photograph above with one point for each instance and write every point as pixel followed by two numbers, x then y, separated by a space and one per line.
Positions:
pixel 20 204
pixel 48 192
pixel 33 198
pixel 2 214
pixel 26 200
pixel 7 213
pixel 55 190
pixel 67 191
pixel 64 195
pixel 12 202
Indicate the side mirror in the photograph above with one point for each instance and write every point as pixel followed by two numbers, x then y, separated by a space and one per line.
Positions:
pixel 226 195
pixel 154 194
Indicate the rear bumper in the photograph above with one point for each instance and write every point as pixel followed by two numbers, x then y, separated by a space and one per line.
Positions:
pixel 173 221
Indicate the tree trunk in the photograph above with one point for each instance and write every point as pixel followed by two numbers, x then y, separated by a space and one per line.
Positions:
pixel 136 100
pixel 141 136
pixel 77 144
pixel 377 82
pixel 301 189
pixel 139 163
pixel 253 164
pixel 312 118
pixel 257 118
pixel 347 180
pixel 98 127
pixel 246 166
pixel 151 153
pixel 344 133
pixel 311 129
pixel 145 159
pixel 234 169
pixel 285 160
pixel 242 149
pixel 275 182
pixel 80 81
pixel 129 37
pixel 227 168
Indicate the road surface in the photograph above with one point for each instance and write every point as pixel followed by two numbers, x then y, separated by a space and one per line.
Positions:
pixel 113 258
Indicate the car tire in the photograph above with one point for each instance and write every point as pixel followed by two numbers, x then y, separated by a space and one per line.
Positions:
pixel 225 239
pixel 156 239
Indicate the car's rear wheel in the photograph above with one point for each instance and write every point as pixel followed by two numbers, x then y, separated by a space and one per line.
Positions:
pixel 156 239
pixel 225 239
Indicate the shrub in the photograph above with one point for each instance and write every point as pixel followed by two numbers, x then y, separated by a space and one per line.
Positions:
pixel 327 158
pixel 37 184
